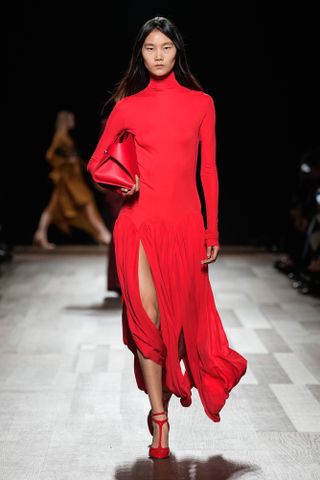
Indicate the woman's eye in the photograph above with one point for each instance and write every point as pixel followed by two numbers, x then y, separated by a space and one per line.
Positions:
pixel 151 48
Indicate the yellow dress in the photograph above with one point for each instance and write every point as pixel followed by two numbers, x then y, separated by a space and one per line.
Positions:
pixel 71 192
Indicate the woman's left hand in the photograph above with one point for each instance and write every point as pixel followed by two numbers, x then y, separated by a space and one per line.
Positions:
pixel 212 253
pixel 135 188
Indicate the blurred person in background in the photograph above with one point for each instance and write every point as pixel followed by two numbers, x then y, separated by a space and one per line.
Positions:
pixel 301 260
pixel 72 203
pixel 304 206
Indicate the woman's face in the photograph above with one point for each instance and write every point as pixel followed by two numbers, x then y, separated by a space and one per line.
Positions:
pixel 71 122
pixel 159 53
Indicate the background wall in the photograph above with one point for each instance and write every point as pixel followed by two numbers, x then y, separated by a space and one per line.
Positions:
pixel 258 62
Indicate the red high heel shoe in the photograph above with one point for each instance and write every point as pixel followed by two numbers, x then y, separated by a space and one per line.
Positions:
pixel 159 451
pixel 165 402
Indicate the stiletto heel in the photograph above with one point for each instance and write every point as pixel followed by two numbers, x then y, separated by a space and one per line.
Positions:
pixel 165 402
pixel 159 451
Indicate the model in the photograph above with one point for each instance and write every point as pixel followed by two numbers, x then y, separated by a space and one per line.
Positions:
pixel 162 246
pixel 72 204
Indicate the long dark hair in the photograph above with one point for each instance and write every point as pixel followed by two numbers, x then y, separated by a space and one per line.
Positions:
pixel 137 76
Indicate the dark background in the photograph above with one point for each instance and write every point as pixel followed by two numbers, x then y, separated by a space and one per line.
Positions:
pixel 259 62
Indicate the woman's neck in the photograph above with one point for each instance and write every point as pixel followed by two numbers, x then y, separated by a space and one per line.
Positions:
pixel 163 82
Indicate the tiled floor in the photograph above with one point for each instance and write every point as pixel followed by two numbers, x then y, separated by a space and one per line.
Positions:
pixel 69 405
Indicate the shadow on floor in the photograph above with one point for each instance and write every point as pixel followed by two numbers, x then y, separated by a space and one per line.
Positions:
pixel 216 467
pixel 109 303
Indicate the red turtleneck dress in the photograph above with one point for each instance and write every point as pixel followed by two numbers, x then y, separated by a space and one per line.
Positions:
pixel 168 120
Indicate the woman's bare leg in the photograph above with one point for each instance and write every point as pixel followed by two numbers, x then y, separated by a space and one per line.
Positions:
pixel 152 372
pixel 41 235
pixel 104 235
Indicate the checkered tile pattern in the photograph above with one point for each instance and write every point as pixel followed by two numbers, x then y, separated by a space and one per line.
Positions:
pixel 69 405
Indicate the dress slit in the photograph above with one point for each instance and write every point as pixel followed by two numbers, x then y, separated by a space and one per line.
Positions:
pixel 140 243
pixel 186 305
pixel 139 331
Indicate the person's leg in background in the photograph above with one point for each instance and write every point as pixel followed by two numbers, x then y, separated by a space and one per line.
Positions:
pixel 41 235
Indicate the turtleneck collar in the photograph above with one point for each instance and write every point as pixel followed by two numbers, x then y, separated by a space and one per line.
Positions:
pixel 163 82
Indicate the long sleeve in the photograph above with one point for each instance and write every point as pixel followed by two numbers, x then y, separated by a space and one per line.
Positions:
pixel 209 174
pixel 114 124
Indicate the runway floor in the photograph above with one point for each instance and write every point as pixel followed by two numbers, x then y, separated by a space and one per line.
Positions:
pixel 69 404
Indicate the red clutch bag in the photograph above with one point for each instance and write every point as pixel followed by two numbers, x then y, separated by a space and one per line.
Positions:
pixel 118 167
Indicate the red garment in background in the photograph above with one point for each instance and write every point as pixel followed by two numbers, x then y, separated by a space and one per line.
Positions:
pixel 168 121
pixel 113 204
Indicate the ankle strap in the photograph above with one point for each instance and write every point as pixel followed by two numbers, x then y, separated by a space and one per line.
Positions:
pixel 159 413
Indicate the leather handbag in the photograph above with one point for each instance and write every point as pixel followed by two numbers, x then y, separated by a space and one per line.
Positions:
pixel 118 166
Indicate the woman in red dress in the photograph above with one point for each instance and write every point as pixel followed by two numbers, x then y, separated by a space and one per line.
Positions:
pixel 162 246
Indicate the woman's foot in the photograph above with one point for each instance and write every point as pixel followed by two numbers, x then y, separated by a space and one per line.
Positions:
pixel 104 237
pixel 41 240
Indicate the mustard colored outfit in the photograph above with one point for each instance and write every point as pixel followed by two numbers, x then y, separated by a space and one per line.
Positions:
pixel 71 192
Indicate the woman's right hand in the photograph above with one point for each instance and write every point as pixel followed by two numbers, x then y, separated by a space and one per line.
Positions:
pixel 136 187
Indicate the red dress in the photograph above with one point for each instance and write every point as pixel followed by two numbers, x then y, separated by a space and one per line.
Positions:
pixel 168 120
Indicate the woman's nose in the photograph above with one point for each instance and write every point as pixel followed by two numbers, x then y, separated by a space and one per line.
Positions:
pixel 158 56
